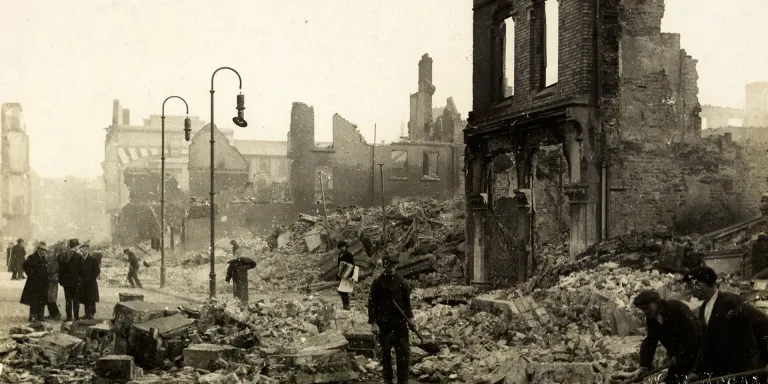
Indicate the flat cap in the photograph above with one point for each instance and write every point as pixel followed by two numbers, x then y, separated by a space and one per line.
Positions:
pixel 646 297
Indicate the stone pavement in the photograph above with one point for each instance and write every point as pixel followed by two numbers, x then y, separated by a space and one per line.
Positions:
pixel 13 313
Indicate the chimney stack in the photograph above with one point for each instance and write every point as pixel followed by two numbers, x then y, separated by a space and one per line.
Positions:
pixel 126 116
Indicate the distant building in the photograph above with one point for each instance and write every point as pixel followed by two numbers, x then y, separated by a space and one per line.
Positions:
pixel 16 184
pixel 427 163
pixel 138 147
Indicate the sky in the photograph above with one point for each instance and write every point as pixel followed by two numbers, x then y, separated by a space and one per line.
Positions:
pixel 358 58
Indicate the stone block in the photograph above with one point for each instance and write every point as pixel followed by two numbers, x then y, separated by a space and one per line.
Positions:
pixel 136 312
pixel 626 323
pixel 130 297
pixel 98 331
pixel 115 367
pixel 493 306
pixel 315 361
pixel 7 344
pixel 156 340
pixel 166 327
pixel 324 341
pixel 202 356
pixel 513 371
pixel 79 328
pixel 59 347
pixel 575 373
pixel 20 330
pixel 321 378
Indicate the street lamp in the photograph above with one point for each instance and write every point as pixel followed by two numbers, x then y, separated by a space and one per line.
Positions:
pixel 240 122
pixel 187 130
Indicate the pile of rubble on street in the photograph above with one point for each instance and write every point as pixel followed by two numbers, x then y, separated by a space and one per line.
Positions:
pixel 581 327
pixel 427 234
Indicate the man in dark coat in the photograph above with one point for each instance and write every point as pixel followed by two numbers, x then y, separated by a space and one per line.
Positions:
pixel 35 293
pixel 52 264
pixel 730 344
pixel 240 262
pixel 672 323
pixel 133 268
pixel 17 260
pixel 70 272
pixel 388 292
pixel 346 257
pixel 90 286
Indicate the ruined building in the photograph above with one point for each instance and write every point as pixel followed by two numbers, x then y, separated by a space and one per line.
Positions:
pixel 132 170
pixel 753 115
pixel 19 185
pixel 599 80
pixel 427 163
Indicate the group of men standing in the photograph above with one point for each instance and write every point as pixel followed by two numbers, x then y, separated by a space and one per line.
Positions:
pixel 74 267
pixel 728 336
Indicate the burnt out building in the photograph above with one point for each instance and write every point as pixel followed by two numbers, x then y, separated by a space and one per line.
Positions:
pixel 425 163
pixel 600 80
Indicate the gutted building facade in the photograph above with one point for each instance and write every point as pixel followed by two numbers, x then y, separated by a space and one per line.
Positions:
pixel 598 79
pixel 426 163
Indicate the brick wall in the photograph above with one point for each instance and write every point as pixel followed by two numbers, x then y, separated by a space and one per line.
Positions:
pixel 575 48
pixel 349 159
pixel 693 187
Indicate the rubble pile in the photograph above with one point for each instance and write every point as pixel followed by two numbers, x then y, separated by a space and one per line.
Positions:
pixel 637 249
pixel 428 236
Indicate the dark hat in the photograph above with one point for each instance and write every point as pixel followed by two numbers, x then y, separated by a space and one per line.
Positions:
pixel 703 274
pixel 342 243
pixel 41 245
pixel 126 250
pixel 646 297
pixel 233 242
pixel 74 243
pixel 20 241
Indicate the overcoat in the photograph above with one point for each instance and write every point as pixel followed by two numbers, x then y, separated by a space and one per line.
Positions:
pixel 90 273
pixel 36 286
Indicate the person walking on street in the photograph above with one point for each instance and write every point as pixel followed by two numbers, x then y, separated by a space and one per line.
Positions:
pixel 388 293
pixel 672 323
pixel 8 257
pixel 70 272
pixel 52 264
pixel 730 343
pixel 133 268
pixel 18 252
pixel 234 265
pixel 35 293
pixel 344 270
pixel 90 288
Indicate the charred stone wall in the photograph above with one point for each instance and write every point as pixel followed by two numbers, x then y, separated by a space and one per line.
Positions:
pixel 347 166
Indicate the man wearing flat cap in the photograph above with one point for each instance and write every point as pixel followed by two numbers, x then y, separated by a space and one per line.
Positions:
pixel 732 341
pixel 390 294
pixel 673 324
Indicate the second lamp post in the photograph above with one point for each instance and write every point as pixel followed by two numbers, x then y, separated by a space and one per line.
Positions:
pixel 187 130
pixel 240 122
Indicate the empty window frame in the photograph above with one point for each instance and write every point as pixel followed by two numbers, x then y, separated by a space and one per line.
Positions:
pixel 430 164
pixel 508 49
pixel 399 164
pixel 551 45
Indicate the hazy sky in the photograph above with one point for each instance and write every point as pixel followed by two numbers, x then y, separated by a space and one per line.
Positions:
pixel 65 64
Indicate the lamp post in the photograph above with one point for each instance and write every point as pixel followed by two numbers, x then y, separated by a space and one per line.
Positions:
pixel 240 122
pixel 187 130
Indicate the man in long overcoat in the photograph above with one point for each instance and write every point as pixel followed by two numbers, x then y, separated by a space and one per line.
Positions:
pixel 90 273
pixel 18 252
pixel 35 293
pixel 70 272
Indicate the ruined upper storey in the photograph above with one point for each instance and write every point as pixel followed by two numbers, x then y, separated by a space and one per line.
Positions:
pixel 533 56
